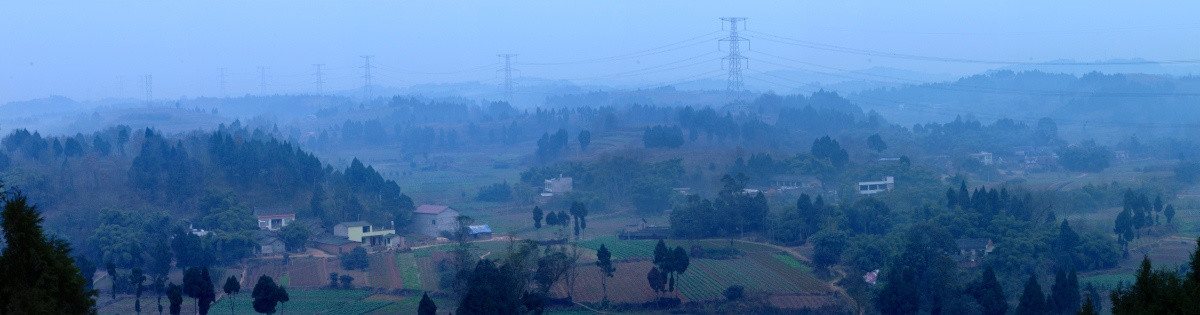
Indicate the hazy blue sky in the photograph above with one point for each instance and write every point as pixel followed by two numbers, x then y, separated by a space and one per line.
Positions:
pixel 91 49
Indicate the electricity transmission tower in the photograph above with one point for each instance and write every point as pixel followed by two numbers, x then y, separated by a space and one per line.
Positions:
pixel 734 61
pixel 320 81
pixel 367 77
pixel 262 80
pixel 508 69
pixel 222 76
pixel 149 83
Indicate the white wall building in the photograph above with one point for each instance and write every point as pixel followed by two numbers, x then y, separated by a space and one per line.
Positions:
pixel 868 188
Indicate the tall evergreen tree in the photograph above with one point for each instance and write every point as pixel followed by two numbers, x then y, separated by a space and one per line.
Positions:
pixel 1088 308
pixel 136 278
pixel 426 307
pixel 585 138
pixel 537 217
pixel 990 295
pixel 1032 302
pixel 39 275
pixel 231 287
pixel 175 297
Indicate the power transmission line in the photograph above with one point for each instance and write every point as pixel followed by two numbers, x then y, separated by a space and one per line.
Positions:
pixel 876 53
pixel 969 88
pixel 262 80
pixel 221 76
pixel 735 60
pixel 656 50
pixel 149 84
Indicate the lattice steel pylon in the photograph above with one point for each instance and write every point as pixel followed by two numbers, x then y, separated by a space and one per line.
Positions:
pixel 508 69
pixel 734 61
pixel 320 79
pixel 367 77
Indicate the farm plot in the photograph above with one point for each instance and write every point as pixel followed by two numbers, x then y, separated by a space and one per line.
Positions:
pixel 302 302
pixel 793 271
pixel 622 249
pixel 713 276
pixel 383 273
pixel 427 267
pixel 628 284
pixel 409 306
pixel 1109 281
pixel 357 307
pixel 270 268
pixel 410 275
pixel 310 272
pixel 804 301
pixel 124 305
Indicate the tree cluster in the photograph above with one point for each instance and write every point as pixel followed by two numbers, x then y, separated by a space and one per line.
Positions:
pixel 1160 291
pixel 733 212
pixel 663 137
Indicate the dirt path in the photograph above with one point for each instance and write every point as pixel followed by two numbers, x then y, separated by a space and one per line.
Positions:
pixel 494 239
pixel 590 309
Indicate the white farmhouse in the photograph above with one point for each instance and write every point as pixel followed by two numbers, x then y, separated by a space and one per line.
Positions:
pixel 869 188
pixel 433 219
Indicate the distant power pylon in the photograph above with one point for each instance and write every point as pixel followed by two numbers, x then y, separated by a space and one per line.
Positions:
pixel 367 77
pixel 149 83
pixel 222 76
pixel 735 61
pixel 121 87
pixel 262 80
pixel 508 69
pixel 320 81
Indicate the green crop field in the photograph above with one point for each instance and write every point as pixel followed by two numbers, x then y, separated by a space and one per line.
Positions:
pixel 1107 281
pixel 409 306
pixel 301 301
pixel 409 272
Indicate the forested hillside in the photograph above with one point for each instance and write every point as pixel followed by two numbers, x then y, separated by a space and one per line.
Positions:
pixel 169 181
pixel 1150 104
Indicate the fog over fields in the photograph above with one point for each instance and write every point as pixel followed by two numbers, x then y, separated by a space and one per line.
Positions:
pixel 363 157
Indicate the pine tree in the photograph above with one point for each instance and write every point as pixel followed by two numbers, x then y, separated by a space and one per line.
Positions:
pixel 990 295
pixel 136 278
pixel 426 307
pixel 1088 308
pixel 207 292
pixel 231 287
pixel 1032 300
pixel 39 275
pixel 175 297
pixel 1070 301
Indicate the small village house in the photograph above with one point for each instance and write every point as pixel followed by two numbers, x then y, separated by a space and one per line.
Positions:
pixel 268 243
pixel 559 185
pixel 480 232
pixel 332 244
pixel 274 218
pixel 985 158
pixel 869 188
pixel 433 219
pixel 785 182
pixel 366 234
pixel 971 251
